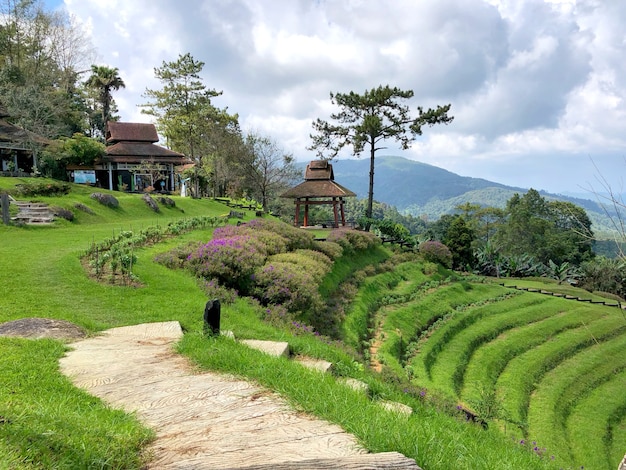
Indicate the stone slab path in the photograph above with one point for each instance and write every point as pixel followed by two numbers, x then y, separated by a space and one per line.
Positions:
pixel 208 420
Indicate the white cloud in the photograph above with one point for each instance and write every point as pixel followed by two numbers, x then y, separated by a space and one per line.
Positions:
pixel 534 84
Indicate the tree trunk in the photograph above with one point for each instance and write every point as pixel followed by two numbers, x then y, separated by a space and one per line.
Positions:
pixel 370 194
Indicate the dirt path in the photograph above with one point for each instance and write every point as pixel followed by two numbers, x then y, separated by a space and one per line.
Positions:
pixel 207 420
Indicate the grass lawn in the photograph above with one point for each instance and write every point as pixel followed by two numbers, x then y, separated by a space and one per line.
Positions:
pixel 45 422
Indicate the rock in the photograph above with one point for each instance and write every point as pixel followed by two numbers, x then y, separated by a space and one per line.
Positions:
pixel 36 328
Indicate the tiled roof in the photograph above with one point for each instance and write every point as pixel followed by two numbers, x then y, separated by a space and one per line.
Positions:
pixel 132 152
pixel 131 132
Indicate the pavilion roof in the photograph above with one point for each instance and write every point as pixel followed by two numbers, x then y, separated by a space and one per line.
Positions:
pixel 131 132
pixel 319 181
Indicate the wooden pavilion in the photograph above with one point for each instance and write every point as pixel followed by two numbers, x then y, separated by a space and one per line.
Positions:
pixel 130 146
pixel 319 187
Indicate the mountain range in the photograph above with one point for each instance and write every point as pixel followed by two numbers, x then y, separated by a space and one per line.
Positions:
pixel 428 191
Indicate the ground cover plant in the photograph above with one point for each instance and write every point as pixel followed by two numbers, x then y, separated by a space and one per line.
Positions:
pixel 545 370
pixel 43 276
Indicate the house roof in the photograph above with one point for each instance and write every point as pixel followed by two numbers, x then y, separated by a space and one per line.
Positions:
pixel 318 182
pixel 131 132
pixel 16 137
pixel 136 152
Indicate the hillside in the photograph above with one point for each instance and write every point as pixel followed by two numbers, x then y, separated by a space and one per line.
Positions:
pixel 424 190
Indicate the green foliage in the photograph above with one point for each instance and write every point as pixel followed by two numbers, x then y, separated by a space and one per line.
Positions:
pixel 604 275
pixel 76 150
pixel 366 120
pixel 546 230
pixel 44 188
pixel 104 80
pixel 436 252
pixel 353 240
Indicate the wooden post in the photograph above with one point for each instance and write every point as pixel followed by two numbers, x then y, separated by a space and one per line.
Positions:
pixel 4 201
pixel 343 214
pixel 335 212
pixel 306 212
pixel 297 217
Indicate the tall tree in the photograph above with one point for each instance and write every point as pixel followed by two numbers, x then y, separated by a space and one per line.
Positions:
pixel 267 168
pixel 104 80
pixel 546 230
pixel 368 119
pixel 38 76
pixel 184 112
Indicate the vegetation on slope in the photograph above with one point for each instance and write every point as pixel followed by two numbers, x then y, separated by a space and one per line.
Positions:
pixel 44 277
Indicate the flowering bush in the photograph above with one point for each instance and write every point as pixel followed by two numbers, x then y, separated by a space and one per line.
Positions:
pixel 436 252
pixel 331 249
pixel 296 238
pixel 229 260
pixel 353 240
pixel 291 282
pixel 214 290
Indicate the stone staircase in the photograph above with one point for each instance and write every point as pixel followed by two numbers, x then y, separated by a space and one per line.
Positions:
pixel 33 213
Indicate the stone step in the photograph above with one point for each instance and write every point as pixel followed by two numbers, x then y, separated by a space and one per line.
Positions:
pixel 273 348
pixel 315 364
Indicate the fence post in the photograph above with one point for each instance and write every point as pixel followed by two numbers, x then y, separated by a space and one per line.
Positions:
pixel 4 202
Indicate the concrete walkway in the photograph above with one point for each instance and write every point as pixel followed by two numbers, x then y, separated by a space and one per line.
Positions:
pixel 208 421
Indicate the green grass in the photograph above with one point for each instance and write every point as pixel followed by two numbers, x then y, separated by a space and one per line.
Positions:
pixel 565 386
pixel 48 423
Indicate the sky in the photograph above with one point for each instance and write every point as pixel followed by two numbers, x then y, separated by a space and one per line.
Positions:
pixel 537 87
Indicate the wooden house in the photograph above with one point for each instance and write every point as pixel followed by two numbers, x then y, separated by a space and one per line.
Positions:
pixel 18 147
pixel 319 187
pixel 133 161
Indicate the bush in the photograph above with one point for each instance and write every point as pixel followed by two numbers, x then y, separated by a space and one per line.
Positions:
pixel 353 240
pixel 214 290
pixel 331 249
pixel 436 252
pixel 231 261
pixel 42 189
pixel 106 200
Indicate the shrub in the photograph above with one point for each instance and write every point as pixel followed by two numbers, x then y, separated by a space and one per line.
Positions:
pixel 151 203
pixel 353 240
pixel 106 200
pixel 229 260
pixel 287 284
pixel 42 189
pixel 296 238
pixel 331 249
pixel 436 252
pixel 214 290
pixel 63 213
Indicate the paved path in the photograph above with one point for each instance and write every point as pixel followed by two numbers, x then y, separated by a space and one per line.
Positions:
pixel 207 420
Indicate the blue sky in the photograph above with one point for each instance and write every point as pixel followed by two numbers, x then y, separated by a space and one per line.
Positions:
pixel 537 87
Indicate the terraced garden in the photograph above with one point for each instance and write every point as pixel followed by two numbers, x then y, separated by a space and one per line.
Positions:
pixel 549 371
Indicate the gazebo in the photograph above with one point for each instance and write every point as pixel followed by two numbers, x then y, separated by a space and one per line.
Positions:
pixel 319 187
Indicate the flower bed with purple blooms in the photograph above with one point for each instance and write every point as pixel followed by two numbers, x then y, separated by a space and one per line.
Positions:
pixel 280 265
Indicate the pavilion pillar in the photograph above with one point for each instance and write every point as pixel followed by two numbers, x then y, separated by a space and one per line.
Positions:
pixel 306 212
pixel 335 212
pixel 110 176
pixel 343 214
pixel 297 217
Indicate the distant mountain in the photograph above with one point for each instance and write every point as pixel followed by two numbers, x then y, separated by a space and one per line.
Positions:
pixel 428 191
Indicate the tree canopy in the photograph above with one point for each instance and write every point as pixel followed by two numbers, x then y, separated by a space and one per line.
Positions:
pixel 368 119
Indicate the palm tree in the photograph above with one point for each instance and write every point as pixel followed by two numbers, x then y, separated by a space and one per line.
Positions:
pixel 103 80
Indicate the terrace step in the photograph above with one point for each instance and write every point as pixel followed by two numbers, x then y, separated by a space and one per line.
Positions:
pixel 33 213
